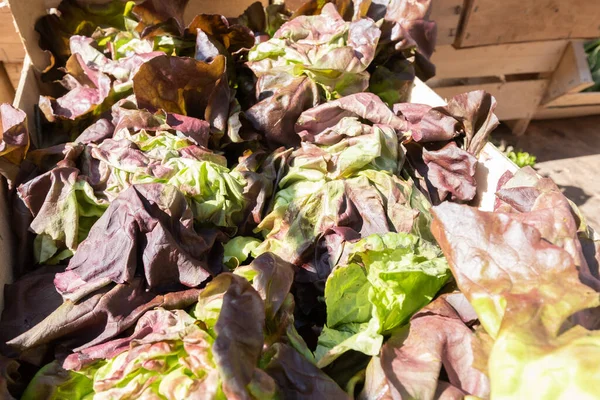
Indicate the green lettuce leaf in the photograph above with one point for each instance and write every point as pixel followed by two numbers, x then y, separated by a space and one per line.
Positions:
pixel 388 278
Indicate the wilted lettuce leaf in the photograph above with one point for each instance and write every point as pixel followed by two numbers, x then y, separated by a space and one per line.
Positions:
pixel 387 278
pixel 14 142
pixel 523 289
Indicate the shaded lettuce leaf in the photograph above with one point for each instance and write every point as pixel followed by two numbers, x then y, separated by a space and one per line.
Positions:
pixel 79 18
pixel 388 278
pixel 283 98
pixel 64 208
pixel 445 143
pixel 148 231
pixel 524 297
pixel 452 171
pixel 158 17
pixel 14 142
pixel 54 382
pixel 24 311
pixel 216 36
pixel 298 378
pixel 412 360
pixel 264 20
pixel 100 316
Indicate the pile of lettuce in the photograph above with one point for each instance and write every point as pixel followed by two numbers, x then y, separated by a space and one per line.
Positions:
pixel 242 208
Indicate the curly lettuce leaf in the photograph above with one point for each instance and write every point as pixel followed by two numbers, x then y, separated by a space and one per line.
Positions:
pixel 387 279
pixel 527 294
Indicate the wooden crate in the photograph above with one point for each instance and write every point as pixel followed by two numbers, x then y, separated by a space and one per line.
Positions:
pixel 489 22
pixel 12 54
pixel 516 74
pixel 564 97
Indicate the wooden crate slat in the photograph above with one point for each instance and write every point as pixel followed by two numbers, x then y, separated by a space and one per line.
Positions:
pixel 13 70
pixel 577 99
pixel 511 21
pixel 566 112
pixel 446 14
pixel 11 48
pixel 7 91
pixel 496 60
pixel 516 100
pixel 572 74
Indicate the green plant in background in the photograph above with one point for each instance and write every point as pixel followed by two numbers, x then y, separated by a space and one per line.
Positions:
pixel 521 158
pixel 592 49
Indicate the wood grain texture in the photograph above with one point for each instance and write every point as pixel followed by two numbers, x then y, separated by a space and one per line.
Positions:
pixel 13 70
pixel 516 100
pixel 446 14
pixel 566 112
pixel 496 60
pixel 11 48
pixel 572 74
pixel 511 21
pixel 7 91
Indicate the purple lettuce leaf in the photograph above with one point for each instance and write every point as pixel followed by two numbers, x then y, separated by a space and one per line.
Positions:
pixel 276 114
pixel 157 17
pixel 100 316
pixel 215 33
pixel 298 378
pixel 23 311
pixel 148 231
pixel 412 360
pixel 329 123
pixel 452 170
pixel 198 89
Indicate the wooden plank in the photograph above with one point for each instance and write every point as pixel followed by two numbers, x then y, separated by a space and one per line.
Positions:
pixel 511 21
pixel 26 13
pixel 446 14
pixel 572 74
pixel 516 100
pixel 14 72
pixel 566 112
pixel 7 92
pixel 577 99
pixel 496 60
pixel 11 48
